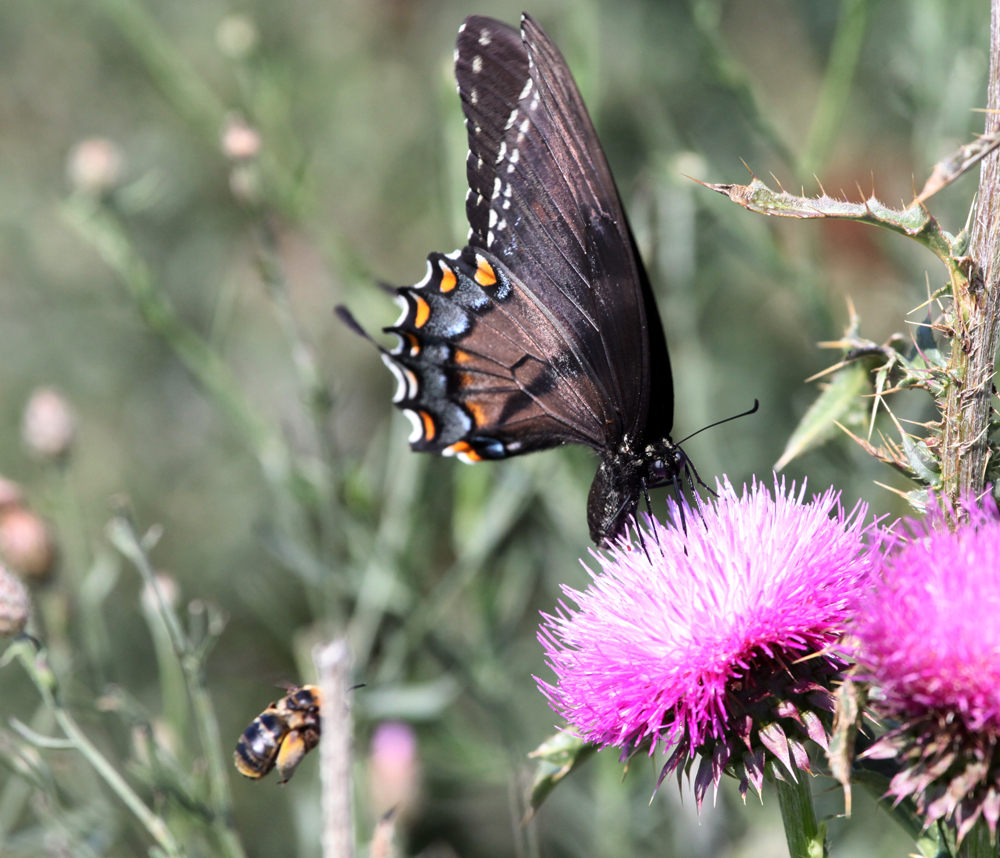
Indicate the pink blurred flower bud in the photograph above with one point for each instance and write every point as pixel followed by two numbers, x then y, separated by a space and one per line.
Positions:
pixel 48 426
pixel 94 166
pixel 240 141
pixel 169 591
pixel 15 604
pixel 10 493
pixel 393 768
pixel 26 545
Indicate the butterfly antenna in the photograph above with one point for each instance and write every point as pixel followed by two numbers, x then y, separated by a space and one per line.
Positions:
pixel 753 410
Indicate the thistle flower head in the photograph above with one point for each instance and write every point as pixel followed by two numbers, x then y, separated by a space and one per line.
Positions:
pixel 929 638
pixel 715 637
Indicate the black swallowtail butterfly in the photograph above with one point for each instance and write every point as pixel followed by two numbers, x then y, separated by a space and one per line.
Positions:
pixel 543 330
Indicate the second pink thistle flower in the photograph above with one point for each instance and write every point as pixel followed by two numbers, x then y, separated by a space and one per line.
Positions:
pixel 716 639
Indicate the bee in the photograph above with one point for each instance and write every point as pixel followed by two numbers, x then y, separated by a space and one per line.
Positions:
pixel 281 735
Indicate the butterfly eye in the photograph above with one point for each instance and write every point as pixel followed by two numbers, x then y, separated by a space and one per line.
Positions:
pixel 658 470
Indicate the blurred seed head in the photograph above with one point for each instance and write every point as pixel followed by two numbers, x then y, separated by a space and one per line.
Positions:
pixel 48 426
pixel 237 36
pixel 244 183
pixel 15 604
pixel 689 164
pixel 26 545
pixel 240 141
pixel 95 166
pixel 169 590
pixel 393 768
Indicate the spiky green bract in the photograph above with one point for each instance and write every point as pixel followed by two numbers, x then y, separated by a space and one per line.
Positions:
pixel 929 638
pixel 715 637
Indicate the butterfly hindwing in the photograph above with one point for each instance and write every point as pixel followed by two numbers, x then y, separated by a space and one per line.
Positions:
pixel 480 366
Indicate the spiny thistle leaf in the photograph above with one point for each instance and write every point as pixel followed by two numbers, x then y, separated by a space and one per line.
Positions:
pixel 557 756
pixel 851 698
pixel 925 465
pixel 914 222
pixel 839 402
pixel 957 164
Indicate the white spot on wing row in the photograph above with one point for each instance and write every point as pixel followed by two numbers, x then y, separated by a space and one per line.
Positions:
pixel 418 426
pixel 502 152
pixel 477 64
pixel 427 279
pixel 484 37
pixel 406 381
pixel 404 304
pixel 525 91
pixel 510 122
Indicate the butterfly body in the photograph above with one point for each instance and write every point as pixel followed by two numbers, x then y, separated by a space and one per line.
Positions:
pixel 543 330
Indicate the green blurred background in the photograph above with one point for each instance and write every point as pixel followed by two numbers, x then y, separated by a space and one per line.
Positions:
pixel 437 571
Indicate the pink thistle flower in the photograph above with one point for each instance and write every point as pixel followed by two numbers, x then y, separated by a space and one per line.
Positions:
pixel 704 639
pixel 929 638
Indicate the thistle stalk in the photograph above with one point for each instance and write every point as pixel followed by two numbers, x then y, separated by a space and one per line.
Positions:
pixel 968 405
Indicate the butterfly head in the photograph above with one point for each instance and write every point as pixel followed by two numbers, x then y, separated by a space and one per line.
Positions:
pixel 664 461
pixel 622 478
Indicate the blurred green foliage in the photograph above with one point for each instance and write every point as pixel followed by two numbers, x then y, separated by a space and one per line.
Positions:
pixel 184 308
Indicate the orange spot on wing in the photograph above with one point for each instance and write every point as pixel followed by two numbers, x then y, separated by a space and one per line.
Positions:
pixel 430 430
pixel 414 343
pixel 477 412
pixel 448 279
pixel 461 357
pixel 463 448
pixel 423 312
pixel 485 275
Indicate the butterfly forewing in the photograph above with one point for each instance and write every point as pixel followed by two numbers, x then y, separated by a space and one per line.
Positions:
pixel 551 192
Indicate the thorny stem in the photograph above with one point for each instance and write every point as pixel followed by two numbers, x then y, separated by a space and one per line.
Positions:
pixel 968 406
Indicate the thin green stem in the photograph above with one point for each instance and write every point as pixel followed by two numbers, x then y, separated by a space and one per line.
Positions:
pixel 806 838
pixel 731 74
pixel 124 538
pixel 106 234
pixel 38 670
pixel 211 742
pixel 835 92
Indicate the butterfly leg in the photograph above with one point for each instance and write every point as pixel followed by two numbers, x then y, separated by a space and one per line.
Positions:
pixel 649 509
pixel 679 491
pixel 689 468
